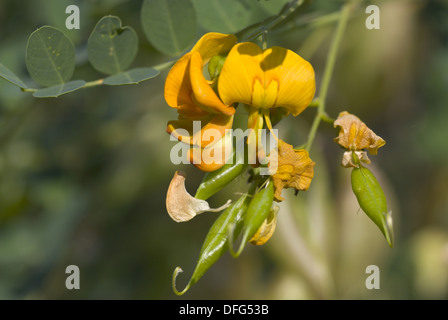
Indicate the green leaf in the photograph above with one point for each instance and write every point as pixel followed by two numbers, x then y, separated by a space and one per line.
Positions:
pixel 169 25
pixel 111 48
pixel 273 6
pixel 133 76
pixel 50 56
pixel 58 90
pixel 227 16
pixel 8 75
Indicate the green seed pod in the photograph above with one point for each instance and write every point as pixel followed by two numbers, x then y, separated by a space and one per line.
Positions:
pixel 372 200
pixel 256 214
pixel 215 244
pixel 216 180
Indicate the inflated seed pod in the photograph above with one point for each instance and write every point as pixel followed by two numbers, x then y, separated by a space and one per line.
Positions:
pixel 215 244
pixel 372 200
pixel 216 180
pixel 256 214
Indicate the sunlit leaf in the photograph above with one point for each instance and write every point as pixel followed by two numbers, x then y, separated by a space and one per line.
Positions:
pixel 169 25
pixel 8 75
pixel 222 16
pixel 111 48
pixel 132 76
pixel 50 56
pixel 58 90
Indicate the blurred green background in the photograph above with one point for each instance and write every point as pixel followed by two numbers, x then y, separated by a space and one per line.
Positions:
pixel 83 177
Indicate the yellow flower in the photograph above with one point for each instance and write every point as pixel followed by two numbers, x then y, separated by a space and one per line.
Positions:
pixel 264 79
pixel 355 136
pixel 187 90
pixel 294 169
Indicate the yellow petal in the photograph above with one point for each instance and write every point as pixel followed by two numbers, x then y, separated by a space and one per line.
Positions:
pixel 238 75
pixel 203 94
pixel 276 77
pixel 354 135
pixel 178 89
pixel 212 157
pixel 212 44
pixel 295 77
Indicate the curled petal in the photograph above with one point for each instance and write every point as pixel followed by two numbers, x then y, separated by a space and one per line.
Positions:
pixel 186 89
pixel 354 135
pixel 178 91
pixel 181 206
pixel 347 159
pixel 203 94
pixel 267 229
pixel 200 133
pixel 213 44
pixel 214 157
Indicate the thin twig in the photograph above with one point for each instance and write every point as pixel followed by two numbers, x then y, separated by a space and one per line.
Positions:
pixel 328 72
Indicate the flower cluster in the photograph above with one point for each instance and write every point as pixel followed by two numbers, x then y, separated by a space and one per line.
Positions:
pixel 240 74
pixel 263 84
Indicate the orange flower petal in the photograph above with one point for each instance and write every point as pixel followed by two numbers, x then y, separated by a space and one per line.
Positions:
pixel 203 94
pixel 212 158
pixel 178 89
pixel 213 44
pixel 209 131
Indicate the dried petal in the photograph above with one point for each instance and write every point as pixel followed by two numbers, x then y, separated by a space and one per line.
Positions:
pixel 181 206
pixel 347 158
pixel 295 169
pixel 267 229
pixel 355 135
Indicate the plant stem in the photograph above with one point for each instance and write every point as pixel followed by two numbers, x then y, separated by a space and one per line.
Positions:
pixel 331 59
pixel 28 89
pixel 99 82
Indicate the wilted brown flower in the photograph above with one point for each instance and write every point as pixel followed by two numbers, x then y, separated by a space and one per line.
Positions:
pixel 294 169
pixel 355 136
pixel 181 206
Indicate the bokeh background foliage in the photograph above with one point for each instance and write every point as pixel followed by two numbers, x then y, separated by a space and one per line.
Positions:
pixel 83 177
